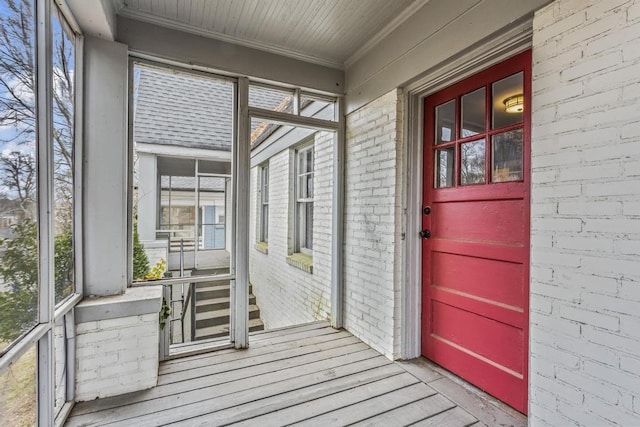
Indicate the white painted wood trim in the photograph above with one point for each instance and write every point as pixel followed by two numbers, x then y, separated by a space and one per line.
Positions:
pixel 515 39
pixel 281 141
pixel 68 15
pixel 291 120
pixel 180 67
pixel 184 152
pixel 130 172
pixel 21 347
pixel 511 42
pixel 337 220
pixel 45 396
pixel 70 378
pixel 242 176
pixel 78 216
pixel 411 300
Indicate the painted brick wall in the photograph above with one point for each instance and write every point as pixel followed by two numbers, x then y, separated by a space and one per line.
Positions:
pixel 287 295
pixel 116 356
pixel 585 278
pixel 373 223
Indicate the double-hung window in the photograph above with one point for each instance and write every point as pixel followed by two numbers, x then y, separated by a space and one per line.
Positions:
pixel 264 203
pixel 304 170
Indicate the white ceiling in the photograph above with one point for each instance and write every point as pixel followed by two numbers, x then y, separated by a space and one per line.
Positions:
pixel 328 32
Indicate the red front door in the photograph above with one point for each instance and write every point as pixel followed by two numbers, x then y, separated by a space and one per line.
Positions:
pixel 475 265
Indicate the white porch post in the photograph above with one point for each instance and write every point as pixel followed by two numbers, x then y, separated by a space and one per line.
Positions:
pixel 241 300
pixel 337 221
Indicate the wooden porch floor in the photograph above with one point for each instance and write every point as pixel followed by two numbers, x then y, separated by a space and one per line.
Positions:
pixel 307 375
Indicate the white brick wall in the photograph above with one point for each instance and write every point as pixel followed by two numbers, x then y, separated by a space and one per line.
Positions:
pixel 156 250
pixel 285 294
pixel 116 356
pixel 373 223
pixel 585 229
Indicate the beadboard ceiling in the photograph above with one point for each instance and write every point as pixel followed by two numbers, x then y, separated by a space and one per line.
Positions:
pixel 327 32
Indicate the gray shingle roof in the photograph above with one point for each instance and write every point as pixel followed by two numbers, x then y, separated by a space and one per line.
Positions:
pixel 174 108
pixel 178 109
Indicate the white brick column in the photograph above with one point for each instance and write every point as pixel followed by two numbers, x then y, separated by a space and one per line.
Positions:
pixel 585 225
pixel 373 219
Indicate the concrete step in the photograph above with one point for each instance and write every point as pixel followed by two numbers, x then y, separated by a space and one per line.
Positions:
pixel 223 330
pixel 220 317
pixel 218 303
pixel 214 290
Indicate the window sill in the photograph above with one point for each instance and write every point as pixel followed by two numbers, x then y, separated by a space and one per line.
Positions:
pixel 301 261
pixel 262 247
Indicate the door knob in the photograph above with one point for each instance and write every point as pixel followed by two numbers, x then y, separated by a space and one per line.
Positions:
pixel 425 234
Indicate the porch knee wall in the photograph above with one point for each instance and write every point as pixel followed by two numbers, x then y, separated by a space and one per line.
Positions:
pixel 585 214
pixel 117 339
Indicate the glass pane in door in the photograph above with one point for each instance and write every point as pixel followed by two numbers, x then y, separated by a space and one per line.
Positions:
pixel 472 162
pixel 444 166
pixel 508 101
pixel 473 113
pixel 445 122
pixel 506 157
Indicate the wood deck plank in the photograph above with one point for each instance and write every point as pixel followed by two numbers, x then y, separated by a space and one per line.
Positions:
pixel 256 337
pixel 479 406
pixel 276 364
pixel 374 405
pixel 237 355
pixel 411 413
pixel 312 375
pixel 329 404
pixel 454 417
pixel 421 369
pixel 148 412
pixel 294 337
pixel 342 378
pixel 264 359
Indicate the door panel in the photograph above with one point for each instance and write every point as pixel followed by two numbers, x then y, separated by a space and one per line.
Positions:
pixel 469 220
pixel 493 281
pixel 476 262
pixel 481 336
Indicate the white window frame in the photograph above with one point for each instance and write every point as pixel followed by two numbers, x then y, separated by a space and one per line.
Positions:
pixel 41 336
pixel 264 203
pixel 300 227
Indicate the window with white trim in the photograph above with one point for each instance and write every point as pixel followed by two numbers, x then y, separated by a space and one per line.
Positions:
pixel 264 203
pixel 303 222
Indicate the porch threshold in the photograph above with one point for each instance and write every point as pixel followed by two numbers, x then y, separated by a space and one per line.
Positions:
pixel 309 374
pixel 486 408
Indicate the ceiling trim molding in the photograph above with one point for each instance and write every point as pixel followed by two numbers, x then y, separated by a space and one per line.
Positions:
pixel 388 29
pixel 267 47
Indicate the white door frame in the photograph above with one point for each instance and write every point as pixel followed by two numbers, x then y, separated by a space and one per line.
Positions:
pixel 515 40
